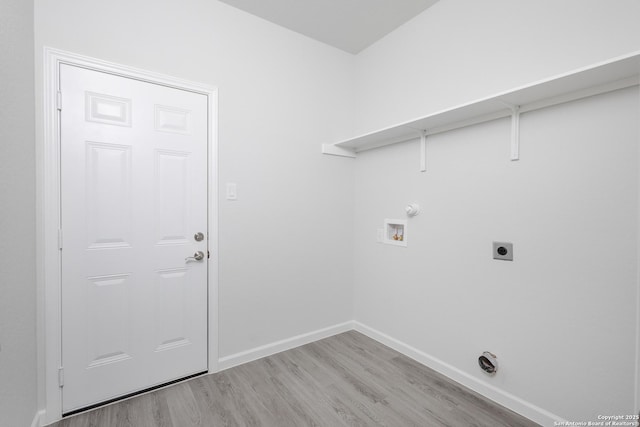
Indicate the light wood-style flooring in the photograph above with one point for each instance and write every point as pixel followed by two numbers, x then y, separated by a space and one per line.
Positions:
pixel 345 380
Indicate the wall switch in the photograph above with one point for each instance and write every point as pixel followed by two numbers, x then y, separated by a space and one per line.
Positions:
pixel 380 235
pixel 503 251
pixel 232 194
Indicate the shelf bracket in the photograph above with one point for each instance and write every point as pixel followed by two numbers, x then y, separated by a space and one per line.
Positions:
pixel 515 130
pixel 515 133
pixel 423 151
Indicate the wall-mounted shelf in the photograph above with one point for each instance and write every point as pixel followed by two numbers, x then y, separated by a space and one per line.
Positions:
pixel 617 73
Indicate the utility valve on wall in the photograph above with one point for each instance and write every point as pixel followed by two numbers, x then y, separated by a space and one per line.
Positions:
pixel 395 232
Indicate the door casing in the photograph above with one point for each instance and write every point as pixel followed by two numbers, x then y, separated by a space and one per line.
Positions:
pixel 48 259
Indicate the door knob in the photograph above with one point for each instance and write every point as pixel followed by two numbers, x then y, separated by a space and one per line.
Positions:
pixel 199 236
pixel 198 256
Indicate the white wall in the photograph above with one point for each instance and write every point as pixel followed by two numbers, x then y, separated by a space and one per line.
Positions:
pixel 569 300
pixel 285 249
pixel 18 397
pixel 461 50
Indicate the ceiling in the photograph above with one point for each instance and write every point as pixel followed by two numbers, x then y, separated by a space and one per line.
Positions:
pixel 350 25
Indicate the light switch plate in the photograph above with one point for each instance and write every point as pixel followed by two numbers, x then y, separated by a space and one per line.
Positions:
pixel 503 251
pixel 232 193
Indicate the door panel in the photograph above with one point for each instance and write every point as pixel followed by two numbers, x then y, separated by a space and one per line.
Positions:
pixel 108 195
pixel 134 193
pixel 172 191
pixel 169 302
pixel 108 334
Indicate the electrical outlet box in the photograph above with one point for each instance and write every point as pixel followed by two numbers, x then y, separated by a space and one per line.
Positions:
pixel 503 251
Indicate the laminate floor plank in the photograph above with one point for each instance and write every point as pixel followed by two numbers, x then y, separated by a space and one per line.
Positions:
pixel 242 403
pixel 183 408
pixel 347 373
pixel 257 408
pixel 398 407
pixel 159 409
pixel 127 416
pixel 314 395
pixel 217 405
pixel 300 392
pixel 401 398
pixel 265 386
pixel 347 380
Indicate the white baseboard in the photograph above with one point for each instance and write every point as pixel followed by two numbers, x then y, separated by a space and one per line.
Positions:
pixel 279 346
pixel 37 419
pixel 516 404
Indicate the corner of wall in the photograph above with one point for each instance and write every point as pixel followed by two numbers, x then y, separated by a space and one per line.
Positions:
pixel 499 396
pixel 38 419
pixel 282 345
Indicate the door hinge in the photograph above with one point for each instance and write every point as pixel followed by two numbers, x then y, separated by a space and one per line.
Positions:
pixel 61 377
pixel 60 239
pixel 59 101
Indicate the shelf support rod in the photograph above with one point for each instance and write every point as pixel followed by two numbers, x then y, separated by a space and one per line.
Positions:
pixel 423 151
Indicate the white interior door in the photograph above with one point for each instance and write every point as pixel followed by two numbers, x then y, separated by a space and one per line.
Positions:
pixel 134 195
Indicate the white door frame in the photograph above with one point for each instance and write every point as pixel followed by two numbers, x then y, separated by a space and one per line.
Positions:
pixel 48 217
